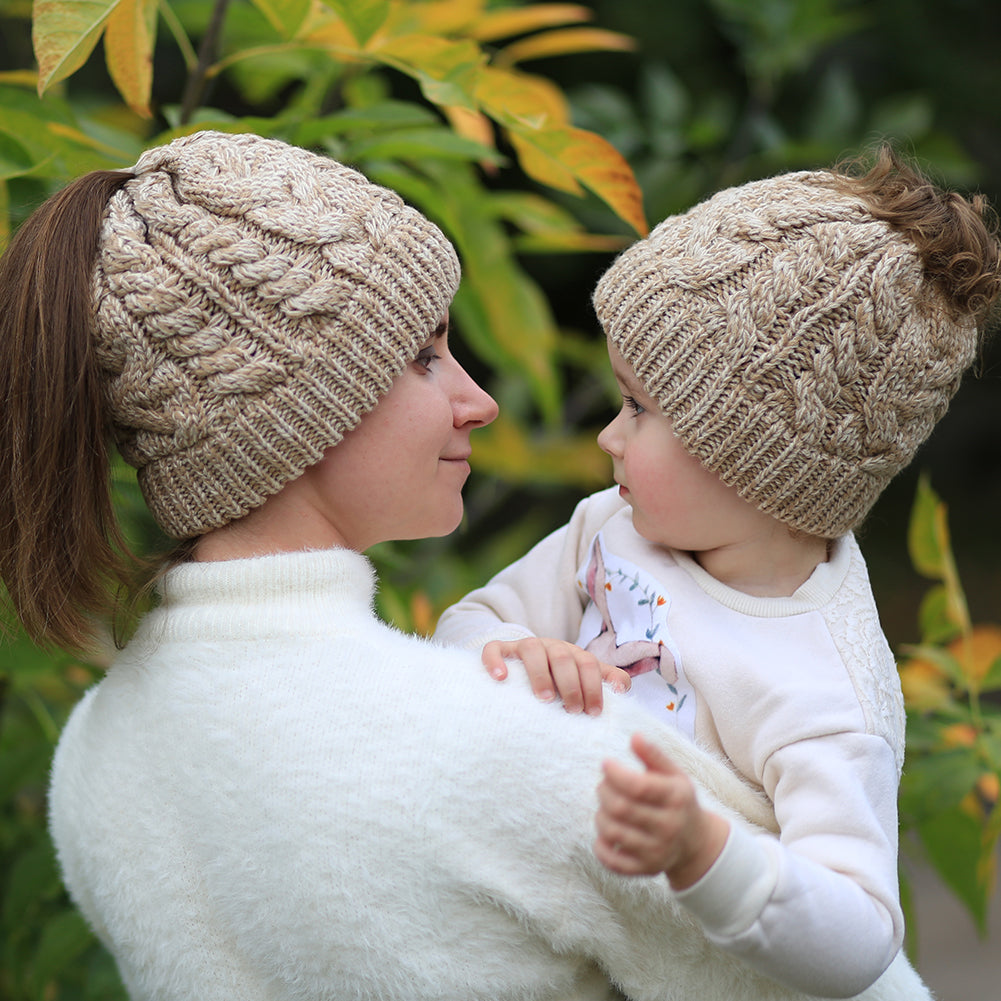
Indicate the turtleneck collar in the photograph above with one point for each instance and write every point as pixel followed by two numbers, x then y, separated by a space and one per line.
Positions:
pixel 262 596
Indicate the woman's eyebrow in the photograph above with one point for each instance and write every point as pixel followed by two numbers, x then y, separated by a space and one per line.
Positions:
pixel 441 329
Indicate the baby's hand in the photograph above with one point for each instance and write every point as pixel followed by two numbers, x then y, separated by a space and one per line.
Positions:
pixel 651 822
pixel 556 667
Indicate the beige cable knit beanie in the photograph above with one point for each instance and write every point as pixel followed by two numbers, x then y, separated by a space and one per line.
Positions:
pixel 253 301
pixel 794 342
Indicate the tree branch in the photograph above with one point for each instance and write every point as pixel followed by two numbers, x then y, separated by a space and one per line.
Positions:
pixel 195 87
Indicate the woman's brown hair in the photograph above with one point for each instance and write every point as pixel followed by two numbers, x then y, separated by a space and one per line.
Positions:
pixel 956 238
pixel 61 550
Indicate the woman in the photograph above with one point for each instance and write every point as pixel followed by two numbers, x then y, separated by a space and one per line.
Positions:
pixel 272 794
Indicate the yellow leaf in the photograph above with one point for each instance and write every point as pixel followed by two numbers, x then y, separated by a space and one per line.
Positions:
pixel 926 685
pixel 447 71
pixel 362 17
pixel 552 155
pixel 958 735
pixel 520 99
pixel 574 243
pixel 923 685
pixel 564 42
pixel 329 32
pixel 438 17
pixel 510 21
pixel 977 651
pixel 542 166
pixel 470 124
pixel 989 788
pixel 64 33
pixel 981 801
pixel 422 616
pixel 128 51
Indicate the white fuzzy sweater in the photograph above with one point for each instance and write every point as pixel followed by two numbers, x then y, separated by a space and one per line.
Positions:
pixel 272 795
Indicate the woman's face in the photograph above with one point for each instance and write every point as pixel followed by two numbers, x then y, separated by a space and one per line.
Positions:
pixel 399 474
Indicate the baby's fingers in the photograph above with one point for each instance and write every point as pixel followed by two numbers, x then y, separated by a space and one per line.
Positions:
pixel 647 787
pixel 626 848
pixel 577 678
pixel 615 676
pixel 531 651
pixel 535 656
pixel 579 675
pixel 493 659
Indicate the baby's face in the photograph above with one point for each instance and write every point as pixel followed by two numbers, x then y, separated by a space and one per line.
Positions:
pixel 677 502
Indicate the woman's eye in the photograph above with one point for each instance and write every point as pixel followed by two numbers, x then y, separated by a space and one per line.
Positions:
pixel 635 408
pixel 425 357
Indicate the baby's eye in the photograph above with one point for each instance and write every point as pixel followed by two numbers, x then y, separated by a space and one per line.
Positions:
pixel 633 406
pixel 425 356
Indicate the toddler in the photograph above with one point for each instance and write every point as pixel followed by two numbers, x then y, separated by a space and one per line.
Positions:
pixel 782 350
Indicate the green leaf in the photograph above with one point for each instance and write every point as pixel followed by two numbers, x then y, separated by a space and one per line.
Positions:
pixel 54 141
pixel 19 765
pixel 935 784
pixel 415 144
pixel 362 17
pixel 533 213
pixel 501 312
pixel 935 617
pixel 991 681
pixel 928 535
pixel 954 842
pixel 32 879
pixel 385 115
pixel 931 553
pixel 15 160
pixel 63 940
pixel 286 16
pixel 447 71
pixel 64 33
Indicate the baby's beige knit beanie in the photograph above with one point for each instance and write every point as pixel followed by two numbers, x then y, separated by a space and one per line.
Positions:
pixel 252 302
pixel 793 341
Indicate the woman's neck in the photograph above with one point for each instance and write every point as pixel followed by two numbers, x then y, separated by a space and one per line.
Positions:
pixel 282 524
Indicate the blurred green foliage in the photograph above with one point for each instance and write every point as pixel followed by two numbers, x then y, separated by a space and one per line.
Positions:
pixel 951 681
pixel 717 92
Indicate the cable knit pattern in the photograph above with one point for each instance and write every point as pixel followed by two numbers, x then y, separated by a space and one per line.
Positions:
pixel 794 342
pixel 253 301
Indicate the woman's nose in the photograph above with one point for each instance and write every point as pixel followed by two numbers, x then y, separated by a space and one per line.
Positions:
pixel 471 403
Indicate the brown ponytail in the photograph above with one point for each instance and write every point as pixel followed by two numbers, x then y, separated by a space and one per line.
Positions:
pixel 61 550
pixel 956 238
